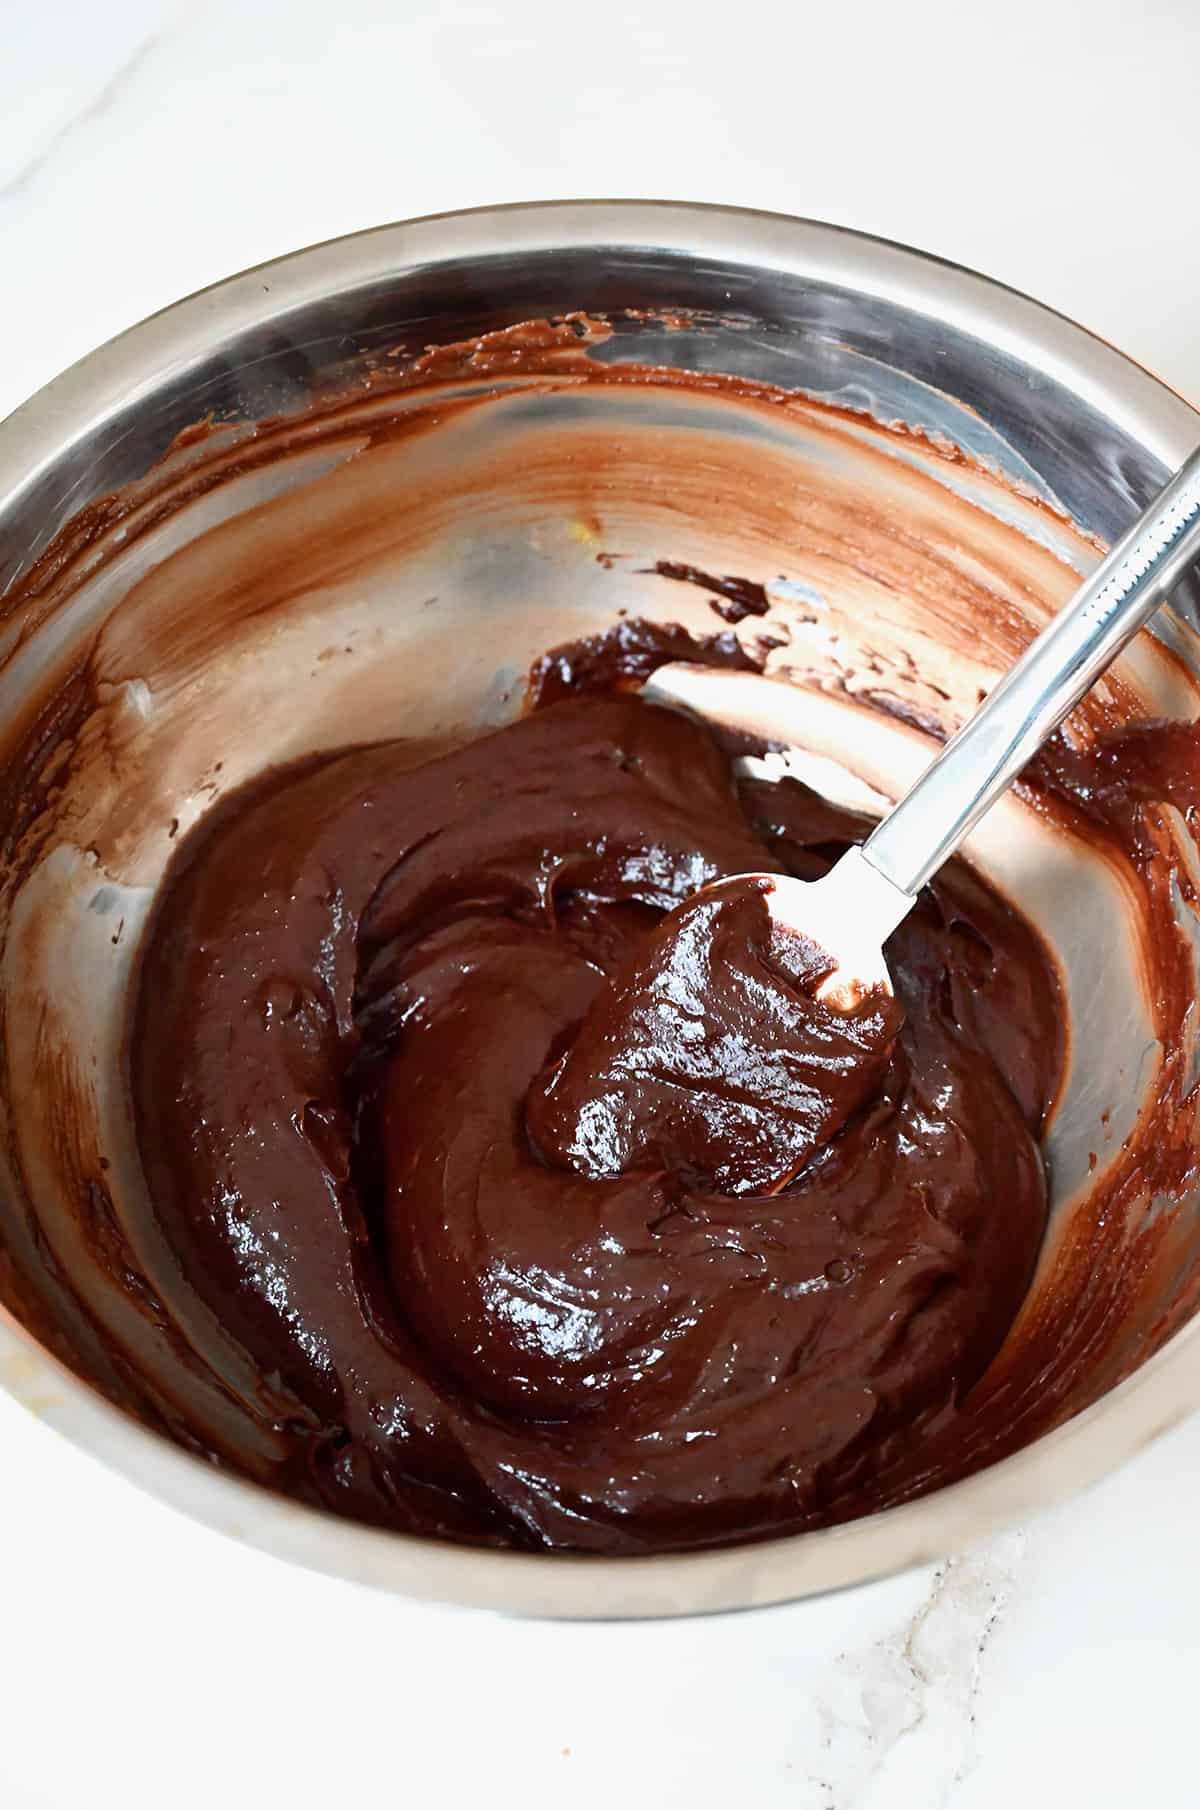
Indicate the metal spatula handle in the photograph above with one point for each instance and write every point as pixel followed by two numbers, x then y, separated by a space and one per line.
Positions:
pixel 912 842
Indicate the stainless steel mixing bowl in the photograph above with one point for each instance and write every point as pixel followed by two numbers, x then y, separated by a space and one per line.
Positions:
pixel 869 325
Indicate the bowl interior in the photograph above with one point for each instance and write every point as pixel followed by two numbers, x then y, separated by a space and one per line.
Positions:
pixel 394 557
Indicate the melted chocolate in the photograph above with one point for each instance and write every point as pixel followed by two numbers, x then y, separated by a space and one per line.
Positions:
pixel 733 598
pixel 614 1363
pixel 382 1002
pixel 707 1055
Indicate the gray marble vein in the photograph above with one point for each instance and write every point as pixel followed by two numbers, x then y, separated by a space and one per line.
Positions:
pixel 96 108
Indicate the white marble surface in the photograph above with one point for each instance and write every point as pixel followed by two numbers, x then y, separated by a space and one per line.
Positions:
pixel 150 146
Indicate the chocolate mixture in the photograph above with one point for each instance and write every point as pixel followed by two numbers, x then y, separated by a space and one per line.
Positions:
pixel 559 1220
pixel 484 1175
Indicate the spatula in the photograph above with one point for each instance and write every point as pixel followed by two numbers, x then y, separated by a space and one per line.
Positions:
pixel 852 910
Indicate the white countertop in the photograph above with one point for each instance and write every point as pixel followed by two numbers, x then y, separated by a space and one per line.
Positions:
pixel 148 147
